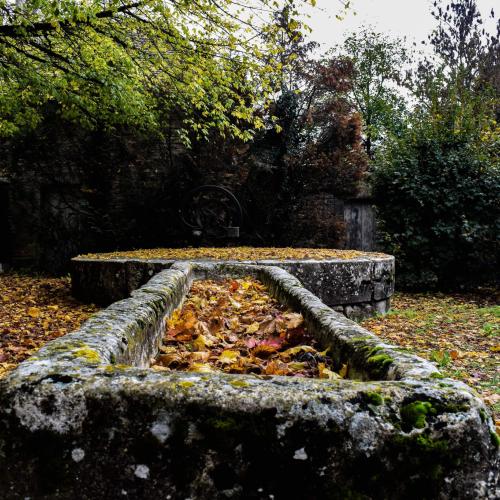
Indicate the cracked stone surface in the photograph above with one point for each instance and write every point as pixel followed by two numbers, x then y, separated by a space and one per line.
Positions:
pixel 86 418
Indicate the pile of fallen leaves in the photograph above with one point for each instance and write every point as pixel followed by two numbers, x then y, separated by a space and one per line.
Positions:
pixel 235 253
pixel 234 326
pixel 460 333
pixel 34 310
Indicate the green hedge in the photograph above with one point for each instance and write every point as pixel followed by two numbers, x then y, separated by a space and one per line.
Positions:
pixel 438 203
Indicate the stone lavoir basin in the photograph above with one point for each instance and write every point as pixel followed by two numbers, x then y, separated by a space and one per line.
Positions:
pixel 87 417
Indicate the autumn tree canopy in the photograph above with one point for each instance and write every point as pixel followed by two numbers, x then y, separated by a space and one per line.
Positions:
pixel 118 62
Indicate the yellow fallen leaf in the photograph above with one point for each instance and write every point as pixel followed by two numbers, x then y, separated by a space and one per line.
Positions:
pixel 234 324
pixel 246 285
pixel 228 356
pixel 200 368
pixel 254 327
pixel 168 349
pixel 34 312
pixel 201 343
pixel 296 350
pixel 344 370
pixel 296 366
pixel 173 321
pixel 326 373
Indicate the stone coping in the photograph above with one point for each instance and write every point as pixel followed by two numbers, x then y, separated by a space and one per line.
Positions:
pixel 78 421
pixel 358 287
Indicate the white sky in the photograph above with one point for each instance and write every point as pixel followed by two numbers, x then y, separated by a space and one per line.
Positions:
pixel 402 18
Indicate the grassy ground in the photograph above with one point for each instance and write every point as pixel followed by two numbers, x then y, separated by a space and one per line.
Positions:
pixel 460 333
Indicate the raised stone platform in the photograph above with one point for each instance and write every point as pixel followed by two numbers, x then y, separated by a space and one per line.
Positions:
pixel 86 418
pixel 358 287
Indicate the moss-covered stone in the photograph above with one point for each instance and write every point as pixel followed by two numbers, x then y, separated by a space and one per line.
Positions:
pixel 414 414
pixel 495 439
pixel 89 355
pixel 72 428
pixel 374 398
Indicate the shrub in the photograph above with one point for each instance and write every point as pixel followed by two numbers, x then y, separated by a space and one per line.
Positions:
pixel 438 204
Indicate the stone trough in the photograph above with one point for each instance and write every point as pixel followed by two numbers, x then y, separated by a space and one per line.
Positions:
pixel 86 418
pixel 358 287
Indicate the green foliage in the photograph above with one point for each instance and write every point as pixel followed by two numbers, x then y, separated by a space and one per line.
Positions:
pixel 207 63
pixel 442 358
pixel 378 63
pixel 437 184
pixel 437 198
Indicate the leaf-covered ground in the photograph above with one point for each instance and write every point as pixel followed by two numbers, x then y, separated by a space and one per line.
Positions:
pixel 234 253
pixel 460 333
pixel 34 310
pixel 236 327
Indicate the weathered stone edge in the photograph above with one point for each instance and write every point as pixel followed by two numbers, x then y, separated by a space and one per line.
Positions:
pixel 127 332
pixel 346 339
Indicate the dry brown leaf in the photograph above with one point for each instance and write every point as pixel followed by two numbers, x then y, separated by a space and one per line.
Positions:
pixel 247 337
pixel 170 360
pixel 293 320
pixel 200 356
pixel 264 351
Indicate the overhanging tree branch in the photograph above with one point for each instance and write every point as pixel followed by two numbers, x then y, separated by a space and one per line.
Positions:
pixel 17 30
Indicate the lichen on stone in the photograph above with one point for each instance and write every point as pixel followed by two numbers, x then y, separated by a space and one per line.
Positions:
pixel 90 355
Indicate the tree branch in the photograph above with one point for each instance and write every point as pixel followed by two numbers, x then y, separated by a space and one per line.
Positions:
pixel 13 30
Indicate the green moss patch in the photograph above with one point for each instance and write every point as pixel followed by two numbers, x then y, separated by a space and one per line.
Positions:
pixel 414 414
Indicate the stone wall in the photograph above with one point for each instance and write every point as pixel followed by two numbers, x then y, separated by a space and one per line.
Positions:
pixel 71 192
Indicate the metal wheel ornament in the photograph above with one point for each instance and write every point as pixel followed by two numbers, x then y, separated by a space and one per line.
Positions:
pixel 212 211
